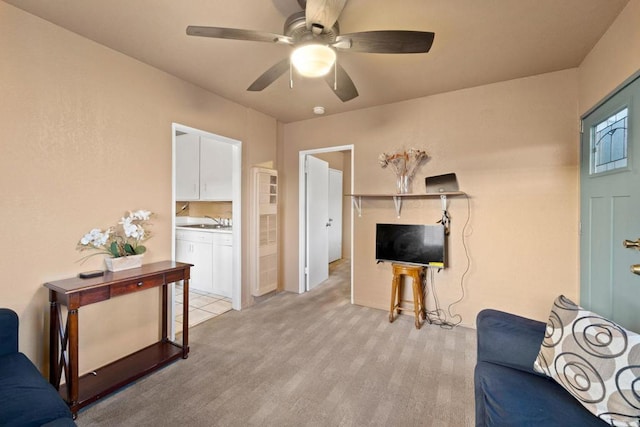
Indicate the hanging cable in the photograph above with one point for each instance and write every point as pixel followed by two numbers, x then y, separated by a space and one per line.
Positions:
pixel 466 253
pixel 438 316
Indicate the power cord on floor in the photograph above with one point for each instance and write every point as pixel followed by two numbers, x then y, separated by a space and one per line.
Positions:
pixel 438 316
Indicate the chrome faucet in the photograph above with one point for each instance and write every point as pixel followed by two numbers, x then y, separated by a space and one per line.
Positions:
pixel 216 220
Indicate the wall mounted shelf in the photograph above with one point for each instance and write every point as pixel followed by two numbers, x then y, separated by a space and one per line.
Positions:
pixel 356 199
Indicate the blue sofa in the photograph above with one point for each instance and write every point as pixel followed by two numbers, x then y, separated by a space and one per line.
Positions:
pixel 508 392
pixel 26 397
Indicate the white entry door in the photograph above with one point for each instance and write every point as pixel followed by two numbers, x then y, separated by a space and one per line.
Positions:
pixel 317 213
pixel 610 202
pixel 335 215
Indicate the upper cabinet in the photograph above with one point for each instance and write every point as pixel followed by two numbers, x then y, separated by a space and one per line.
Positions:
pixel 203 168
pixel 187 167
pixel 215 169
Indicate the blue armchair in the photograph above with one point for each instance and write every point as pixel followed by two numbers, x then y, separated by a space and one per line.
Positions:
pixel 26 398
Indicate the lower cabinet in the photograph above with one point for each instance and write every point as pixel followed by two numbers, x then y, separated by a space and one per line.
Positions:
pixel 195 247
pixel 212 257
pixel 222 261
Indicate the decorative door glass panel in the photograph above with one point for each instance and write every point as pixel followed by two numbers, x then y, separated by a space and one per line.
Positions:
pixel 609 143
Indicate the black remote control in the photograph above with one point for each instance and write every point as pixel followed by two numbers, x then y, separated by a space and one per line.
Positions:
pixel 90 274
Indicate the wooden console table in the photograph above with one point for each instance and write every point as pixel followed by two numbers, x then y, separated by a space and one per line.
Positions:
pixel 75 293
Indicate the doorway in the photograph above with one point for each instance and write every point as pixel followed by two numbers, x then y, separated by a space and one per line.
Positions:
pixel 335 214
pixel 309 244
pixel 233 235
pixel 609 206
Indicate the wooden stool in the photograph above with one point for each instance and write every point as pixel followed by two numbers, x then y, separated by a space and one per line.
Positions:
pixel 415 272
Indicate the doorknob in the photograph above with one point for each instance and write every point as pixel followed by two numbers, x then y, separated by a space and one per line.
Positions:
pixel 635 269
pixel 632 244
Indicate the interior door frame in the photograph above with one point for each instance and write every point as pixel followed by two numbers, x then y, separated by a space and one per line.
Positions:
pixel 332 200
pixel 236 216
pixel 302 218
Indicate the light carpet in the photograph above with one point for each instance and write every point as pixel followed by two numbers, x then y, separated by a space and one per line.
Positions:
pixel 306 360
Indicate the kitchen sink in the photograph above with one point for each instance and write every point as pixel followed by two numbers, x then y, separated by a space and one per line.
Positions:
pixel 208 226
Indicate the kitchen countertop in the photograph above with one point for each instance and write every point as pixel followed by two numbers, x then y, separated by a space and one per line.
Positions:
pixel 191 224
pixel 227 230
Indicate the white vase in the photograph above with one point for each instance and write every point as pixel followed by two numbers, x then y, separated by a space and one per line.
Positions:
pixel 124 262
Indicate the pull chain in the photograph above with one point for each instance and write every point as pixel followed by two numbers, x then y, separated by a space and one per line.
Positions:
pixel 290 75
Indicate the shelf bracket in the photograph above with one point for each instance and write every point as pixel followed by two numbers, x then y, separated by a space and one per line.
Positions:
pixel 443 199
pixel 397 200
pixel 357 204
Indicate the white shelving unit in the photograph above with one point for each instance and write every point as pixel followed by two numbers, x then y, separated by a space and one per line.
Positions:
pixel 264 231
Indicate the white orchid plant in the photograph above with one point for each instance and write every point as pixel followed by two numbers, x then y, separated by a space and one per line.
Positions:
pixel 121 240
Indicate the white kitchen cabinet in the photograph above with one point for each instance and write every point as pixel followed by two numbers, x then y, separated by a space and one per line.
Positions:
pixel 216 160
pixel 187 167
pixel 212 256
pixel 195 247
pixel 203 169
pixel 222 262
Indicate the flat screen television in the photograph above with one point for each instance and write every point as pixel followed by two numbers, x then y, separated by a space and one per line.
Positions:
pixel 411 244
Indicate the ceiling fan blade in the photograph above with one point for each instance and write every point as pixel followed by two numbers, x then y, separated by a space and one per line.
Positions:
pixel 270 76
pixel 237 34
pixel 344 87
pixel 386 41
pixel 324 13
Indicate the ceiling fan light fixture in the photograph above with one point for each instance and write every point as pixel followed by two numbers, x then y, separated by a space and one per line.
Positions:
pixel 313 60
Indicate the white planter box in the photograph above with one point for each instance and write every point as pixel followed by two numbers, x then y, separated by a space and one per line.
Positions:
pixel 124 263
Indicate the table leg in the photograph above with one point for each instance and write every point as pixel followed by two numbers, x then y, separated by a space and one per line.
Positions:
pixel 54 348
pixel 185 318
pixel 72 379
pixel 165 310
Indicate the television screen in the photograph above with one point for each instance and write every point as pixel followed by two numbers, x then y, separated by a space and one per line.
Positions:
pixel 411 244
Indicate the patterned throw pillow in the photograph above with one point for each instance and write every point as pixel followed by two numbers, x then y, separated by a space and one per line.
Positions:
pixel 595 360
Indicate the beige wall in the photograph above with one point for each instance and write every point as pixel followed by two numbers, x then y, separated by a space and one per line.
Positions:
pixel 86 135
pixel 614 59
pixel 514 147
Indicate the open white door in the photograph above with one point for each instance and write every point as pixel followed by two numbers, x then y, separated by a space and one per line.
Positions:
pixel 317 213
pixel 335 215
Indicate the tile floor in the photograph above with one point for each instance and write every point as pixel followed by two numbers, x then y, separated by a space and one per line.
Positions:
pixel 202 306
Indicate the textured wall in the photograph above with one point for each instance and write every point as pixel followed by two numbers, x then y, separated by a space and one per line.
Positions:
pixel 86 135
pixel 614 59
pixel 514 146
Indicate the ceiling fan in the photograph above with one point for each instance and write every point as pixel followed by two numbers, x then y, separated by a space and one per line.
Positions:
pixel 315 36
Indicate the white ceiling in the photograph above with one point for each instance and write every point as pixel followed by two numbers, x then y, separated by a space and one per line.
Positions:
pixel 477 42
